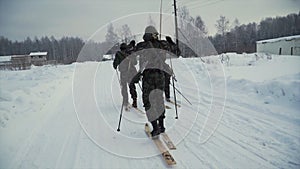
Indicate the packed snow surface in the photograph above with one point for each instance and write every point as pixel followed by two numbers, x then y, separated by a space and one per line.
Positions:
pixel 66 116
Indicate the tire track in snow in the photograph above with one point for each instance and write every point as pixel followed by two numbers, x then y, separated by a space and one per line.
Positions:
pixel 29 143
pixel 254 142
pixel 243 145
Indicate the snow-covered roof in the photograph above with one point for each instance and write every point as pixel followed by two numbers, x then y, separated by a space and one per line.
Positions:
pixel 38 53
pixel 5 58
pixel 286 38
pixel 107 56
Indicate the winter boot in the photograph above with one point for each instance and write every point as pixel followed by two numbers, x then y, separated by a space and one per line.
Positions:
pixel 126 106
pixel 161 125
pixel 134 103
pixel 155 132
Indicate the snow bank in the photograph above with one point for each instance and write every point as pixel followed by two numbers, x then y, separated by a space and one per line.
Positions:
pixel 256 67
pixel 284 90
pixel 28 91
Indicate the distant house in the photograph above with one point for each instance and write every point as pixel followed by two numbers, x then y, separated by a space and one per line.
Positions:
pixel 22 62
pixel 38 58
pixel 289 45
pixel 5 62
pixel 107 57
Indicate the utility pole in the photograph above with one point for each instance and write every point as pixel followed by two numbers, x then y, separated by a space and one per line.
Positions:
pixel 176 24
pixel 177 47
pixel 160 19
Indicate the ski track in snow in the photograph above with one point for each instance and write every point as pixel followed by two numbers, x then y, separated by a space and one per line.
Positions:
pixel 259 128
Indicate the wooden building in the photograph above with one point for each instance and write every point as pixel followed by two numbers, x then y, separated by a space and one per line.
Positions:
pixel 23 62
pixel 5 62
pixel 38 58
pixel 20 62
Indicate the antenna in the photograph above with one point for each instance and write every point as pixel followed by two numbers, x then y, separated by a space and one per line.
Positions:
pixel 160 20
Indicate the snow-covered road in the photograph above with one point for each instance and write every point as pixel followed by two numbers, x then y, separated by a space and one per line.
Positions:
pixel 67 116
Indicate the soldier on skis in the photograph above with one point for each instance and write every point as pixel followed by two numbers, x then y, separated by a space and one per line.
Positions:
pixel 126 66
pixel 152 54
pixel 131 46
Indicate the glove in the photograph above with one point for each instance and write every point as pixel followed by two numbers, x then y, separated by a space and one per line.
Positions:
pixel 137 77
pixel 115 65
pixel 174 78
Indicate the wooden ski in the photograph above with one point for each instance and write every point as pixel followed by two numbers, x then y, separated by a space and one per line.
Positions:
pixel 167 107
pixel 171 101
pixel 159 144
pixel 139 110
pixel 168 141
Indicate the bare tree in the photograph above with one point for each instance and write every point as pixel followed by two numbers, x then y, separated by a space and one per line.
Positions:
pixel 125 33
pixel 111 36
pixel 200 25
pixel 185 18
pixel 222 26
pixel 234 27
pixel 235 24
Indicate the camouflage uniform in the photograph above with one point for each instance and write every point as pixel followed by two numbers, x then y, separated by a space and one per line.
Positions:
pixel 127 72
pixel 152 59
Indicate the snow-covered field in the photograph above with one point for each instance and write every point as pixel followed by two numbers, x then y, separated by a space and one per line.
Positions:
pixel 66 116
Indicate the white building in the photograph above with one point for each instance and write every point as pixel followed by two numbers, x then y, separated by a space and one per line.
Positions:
pixel 289 45
pixel 38 55
pixel 107 57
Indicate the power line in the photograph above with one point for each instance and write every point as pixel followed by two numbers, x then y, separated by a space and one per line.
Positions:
pixel 190 4
pixel 195 3
pixel 207 4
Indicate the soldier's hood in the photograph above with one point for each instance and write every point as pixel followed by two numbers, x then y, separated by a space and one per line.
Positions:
pixel 148 37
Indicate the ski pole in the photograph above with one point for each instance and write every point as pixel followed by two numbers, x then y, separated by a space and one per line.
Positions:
pixel 183 96
pixel 122 104
pixel 120 117
pixel 118 78
pixel 175 100
pixel 173 81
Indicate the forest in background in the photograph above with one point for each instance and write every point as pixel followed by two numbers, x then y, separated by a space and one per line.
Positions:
pixel 242 38
pixel 231 37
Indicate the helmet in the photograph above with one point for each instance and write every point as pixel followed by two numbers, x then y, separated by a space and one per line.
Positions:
pixel 123 46
pixel 151 29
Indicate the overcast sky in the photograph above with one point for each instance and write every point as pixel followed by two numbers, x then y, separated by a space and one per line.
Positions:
pixel 82 18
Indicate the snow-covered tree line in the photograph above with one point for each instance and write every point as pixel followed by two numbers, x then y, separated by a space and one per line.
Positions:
pixel 67 49
pixel 64 50
pixel 242 38
pixel 236 37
